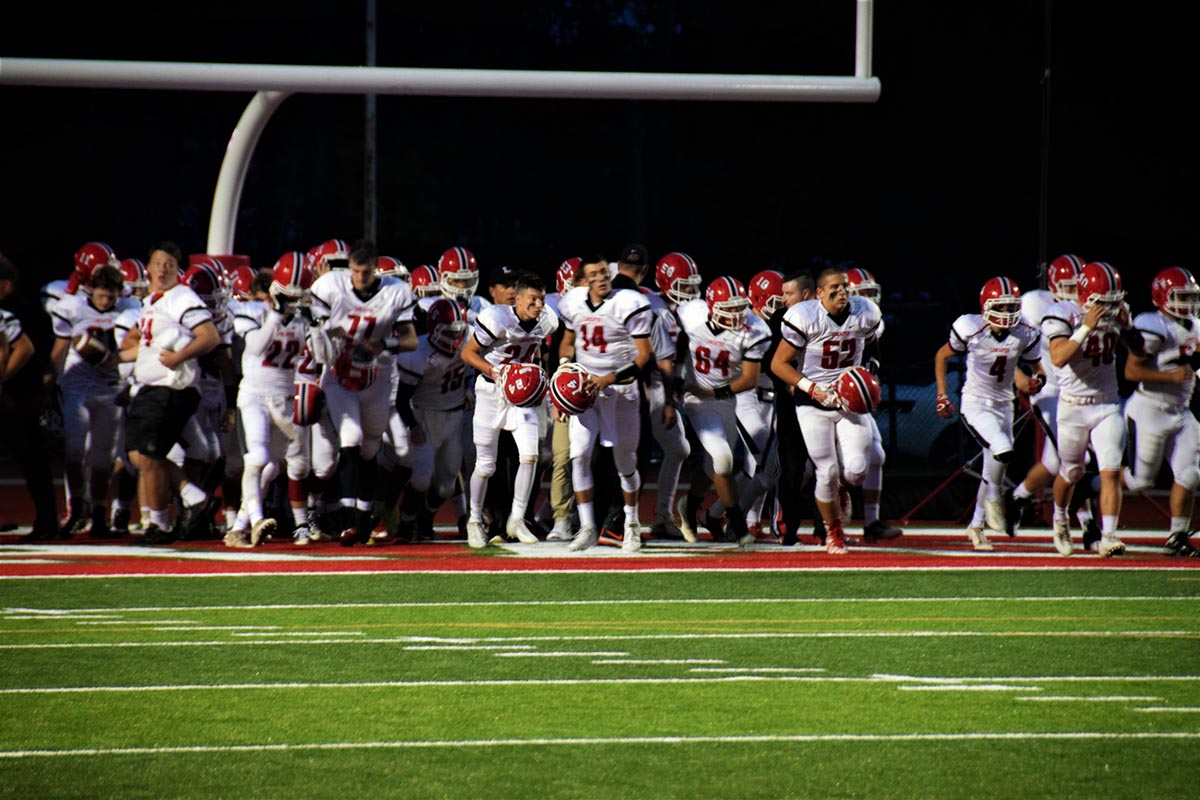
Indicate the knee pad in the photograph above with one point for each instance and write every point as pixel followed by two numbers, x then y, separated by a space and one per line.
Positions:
pixel 485 464
pixel 631 482
pixel 826 480
pixel 256 458
pixel 1134 483
pixel 1071 473
pixel 855 470
pixel 581 474
pixel 1189 478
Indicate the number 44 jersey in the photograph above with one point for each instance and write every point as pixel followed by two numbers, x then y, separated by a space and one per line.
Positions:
pixel 827 346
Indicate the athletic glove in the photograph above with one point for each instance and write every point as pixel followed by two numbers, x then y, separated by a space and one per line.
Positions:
pixel 945 408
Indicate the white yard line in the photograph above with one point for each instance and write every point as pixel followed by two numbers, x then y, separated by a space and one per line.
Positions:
pixel 658 661
pixel 595 741
pixel 1114 698
pixel 674 601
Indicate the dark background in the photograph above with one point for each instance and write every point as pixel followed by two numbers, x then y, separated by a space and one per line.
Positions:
pixel 934 188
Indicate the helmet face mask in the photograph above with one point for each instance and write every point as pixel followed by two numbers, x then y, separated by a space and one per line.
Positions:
pixel 728 305
pixel 425 281
pixel 459 274
pixel 678 278
pixel 1062 278
pixel 446 325
pixel 1100 285
pixel 134 272
pixel 861 283
pixel 291 278
pixel 1000 302
pixel 1176 293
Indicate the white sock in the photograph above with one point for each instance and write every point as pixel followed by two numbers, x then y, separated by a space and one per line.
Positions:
pixel 587 515
pixel 192 494
pixel 1179 524
pixel 1022 493
pixel 1108 524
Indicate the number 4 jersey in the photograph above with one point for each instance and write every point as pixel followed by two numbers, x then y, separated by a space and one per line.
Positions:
pixel 992 360
pixel 826 346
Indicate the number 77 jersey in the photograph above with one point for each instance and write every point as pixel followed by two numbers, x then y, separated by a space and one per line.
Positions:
pixel 826 346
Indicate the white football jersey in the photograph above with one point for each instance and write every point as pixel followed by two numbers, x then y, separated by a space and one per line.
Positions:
pixel 11 326
pixel 1170 341
pixel 273 350
pixel 992 360
pixel 126 321
pixel 166 322
pixel 51 293
pixel 504 339
pixel 351 319
pixel 1092 371
pixel 440 378
pixel 664 335
pixel 826 346
pixel 605 333
pixel 716 356
pixel 74 315
pixel 1033 308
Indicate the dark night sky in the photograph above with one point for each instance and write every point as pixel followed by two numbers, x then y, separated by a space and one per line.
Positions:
pixel 936 186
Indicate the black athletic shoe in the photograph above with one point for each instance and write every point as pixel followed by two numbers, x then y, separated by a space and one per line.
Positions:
pixel 196 521
pixel 879 531
pixel 1091 535
pixel 1015 511
pixel 154 535
pixel 99 528
pixel 120 522
pixel 74 524
pixel 1178 545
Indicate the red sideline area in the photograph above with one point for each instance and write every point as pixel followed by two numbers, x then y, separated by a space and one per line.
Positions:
pixel 924 550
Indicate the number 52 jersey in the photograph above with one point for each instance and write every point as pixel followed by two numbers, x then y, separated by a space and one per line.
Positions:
pixel 826 346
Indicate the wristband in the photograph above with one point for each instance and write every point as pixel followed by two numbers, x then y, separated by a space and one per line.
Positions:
pixel 564 360
pixel 391 343
pixel 1078 336
pixel 805 385
pixel 627 374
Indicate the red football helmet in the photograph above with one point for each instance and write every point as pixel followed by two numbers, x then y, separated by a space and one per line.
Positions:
pixel 308 402
pixel 392 266
pixel 677 277
pixel 447 325
pixel 524 385
pixel 564 278
pixel 239 280
pixel 766 292
pixel 569 390
pixel 460 273
pixel 1100 283
pixel 207 279
pixel 425 281
pixel 858 390
pixel 727 303
pixel 1000 302
pixel 134 272
pixel 332 254
pixel 861 283
pixel 1175 292
pixel 87 258
pixel 1062 277
pixel 291 278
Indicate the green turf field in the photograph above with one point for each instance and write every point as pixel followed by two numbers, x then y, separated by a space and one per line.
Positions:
pixel 1022 684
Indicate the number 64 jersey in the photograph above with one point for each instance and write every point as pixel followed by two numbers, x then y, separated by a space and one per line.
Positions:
pixel 827 347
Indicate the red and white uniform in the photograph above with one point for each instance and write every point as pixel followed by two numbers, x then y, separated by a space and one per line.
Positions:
pixel 1089 408
pixel 1034 305
pixel 826 347
pixel 604 343
pixel 1158 416
pixel 89 392
pixel 504 339
pixel 987 395
pixel 360 402
pixel 438 404
pixel 717 357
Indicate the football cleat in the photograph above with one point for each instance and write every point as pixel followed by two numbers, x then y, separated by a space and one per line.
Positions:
pixel 1177 545
pixel 978 539
pixel 261 531
pixel 835 542
pixel 994 512
pixel 477 537
pixel 300 536
pixel 516 528
pixel 586 537
pixel 561 532
pixel 632 542
pixel 879 531
pixel 239 540
pixel 685 506
pixel 1110 546
pixel 1062 537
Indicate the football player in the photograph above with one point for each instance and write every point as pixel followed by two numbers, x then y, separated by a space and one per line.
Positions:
pixel 174 330
pixel 359 315
pixel 507 335
pixel 721 345
pixel 1083 347
pixel 995 343
pixel 273 348
pixel 1158 417
pixel 608 334
pixel 826 335
pixel 84 357
pixel 678 280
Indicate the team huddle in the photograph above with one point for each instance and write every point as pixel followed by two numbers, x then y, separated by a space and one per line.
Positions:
pixel 364 397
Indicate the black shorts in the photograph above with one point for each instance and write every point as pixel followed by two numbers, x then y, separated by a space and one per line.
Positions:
pixel 155 419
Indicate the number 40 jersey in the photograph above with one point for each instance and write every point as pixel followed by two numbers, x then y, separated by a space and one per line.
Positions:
pixel 826 346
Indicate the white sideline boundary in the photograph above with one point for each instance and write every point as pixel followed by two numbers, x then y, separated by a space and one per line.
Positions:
pixel 782 738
